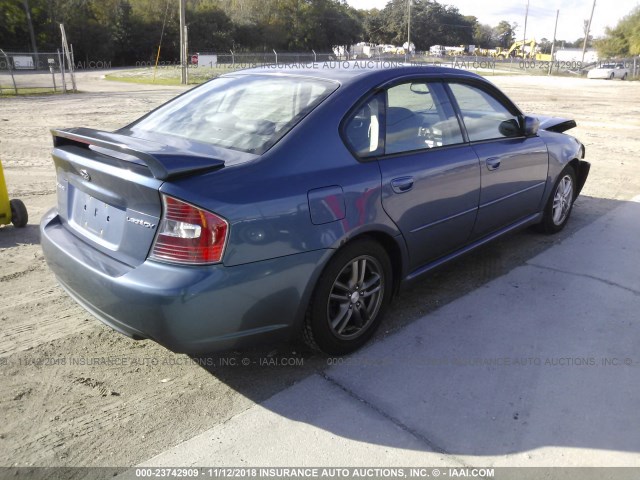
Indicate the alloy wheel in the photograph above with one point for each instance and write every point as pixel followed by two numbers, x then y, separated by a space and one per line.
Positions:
pixel 562 200
pixel 355 297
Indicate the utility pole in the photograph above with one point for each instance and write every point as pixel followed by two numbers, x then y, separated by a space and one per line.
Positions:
pixel 186 54
pixel 524 38
pixel 408 51
pixel 31 33
pixel 183 54
pixel 586 35
pixel 553 44
pixel 67 53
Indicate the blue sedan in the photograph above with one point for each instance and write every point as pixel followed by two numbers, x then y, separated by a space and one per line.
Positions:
pixel 275 203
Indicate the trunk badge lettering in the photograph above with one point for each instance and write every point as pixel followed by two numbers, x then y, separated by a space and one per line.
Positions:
pixel 142 223
pixel 84 174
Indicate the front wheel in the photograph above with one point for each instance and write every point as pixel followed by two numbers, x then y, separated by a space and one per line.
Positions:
pixel 558 209
pixel 350 298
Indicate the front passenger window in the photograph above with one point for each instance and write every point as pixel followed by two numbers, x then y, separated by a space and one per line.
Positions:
pixel 484 116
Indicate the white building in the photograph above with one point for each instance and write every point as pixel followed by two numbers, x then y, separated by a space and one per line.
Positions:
pixel 575 55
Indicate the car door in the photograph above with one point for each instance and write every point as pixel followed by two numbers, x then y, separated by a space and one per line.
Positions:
pixel 430 176
pixel 513 168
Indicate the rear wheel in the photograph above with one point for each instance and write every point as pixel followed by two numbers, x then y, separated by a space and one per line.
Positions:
pixel 19 215
pixel 558 209
pixel 624 77
pixel 350 298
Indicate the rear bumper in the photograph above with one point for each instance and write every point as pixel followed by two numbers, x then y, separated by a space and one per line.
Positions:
pixel 186 309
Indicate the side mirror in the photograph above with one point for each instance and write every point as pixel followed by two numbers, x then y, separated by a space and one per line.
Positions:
pixel 510 128
pixel 419 88
pixel 530 126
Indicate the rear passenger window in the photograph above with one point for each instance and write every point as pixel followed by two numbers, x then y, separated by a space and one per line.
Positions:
pixel 417 118
pixel 362 130
pixel 484 116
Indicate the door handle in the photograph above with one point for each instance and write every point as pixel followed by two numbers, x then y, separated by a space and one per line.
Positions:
pixel 402 184
pixel 493 163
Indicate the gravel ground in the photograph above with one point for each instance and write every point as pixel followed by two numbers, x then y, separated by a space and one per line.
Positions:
pixel 75 393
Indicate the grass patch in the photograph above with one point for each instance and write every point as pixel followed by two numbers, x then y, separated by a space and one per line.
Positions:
pixel 8 91
pixel 116 77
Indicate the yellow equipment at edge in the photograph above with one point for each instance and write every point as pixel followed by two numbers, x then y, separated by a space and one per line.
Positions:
pixel 12 211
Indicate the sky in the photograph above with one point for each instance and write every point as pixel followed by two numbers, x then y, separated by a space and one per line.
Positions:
pixel 542 14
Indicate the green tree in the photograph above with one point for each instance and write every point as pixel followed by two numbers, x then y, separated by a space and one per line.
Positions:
pixel 484 36
pixel 432 23
pixel 122 34
pixel 544 45
pixel 622 40
pixel 210 29
pixel 13 25
pixel 88 27
pixel 505 33
pixel 374 26
pixel 328 23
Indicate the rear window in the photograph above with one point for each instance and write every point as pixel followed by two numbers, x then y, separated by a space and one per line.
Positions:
pixel 246 113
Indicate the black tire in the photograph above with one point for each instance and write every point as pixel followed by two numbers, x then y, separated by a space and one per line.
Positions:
pixel 560 204
pixel 338 325
pixel 624 77
pixel 19 215
pixel 612 76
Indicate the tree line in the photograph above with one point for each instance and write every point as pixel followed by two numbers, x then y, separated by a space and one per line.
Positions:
pixel 623 40
pixel 126 31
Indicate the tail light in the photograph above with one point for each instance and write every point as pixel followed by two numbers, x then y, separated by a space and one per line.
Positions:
pixel 189 235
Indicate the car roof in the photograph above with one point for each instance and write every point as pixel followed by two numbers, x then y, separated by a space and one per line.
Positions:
pixel 345 72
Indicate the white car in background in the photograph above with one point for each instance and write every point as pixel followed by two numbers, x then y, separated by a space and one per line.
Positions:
pixel 609 71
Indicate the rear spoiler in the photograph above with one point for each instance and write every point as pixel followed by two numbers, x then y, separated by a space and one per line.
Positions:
pixel 555 124
pixel 163 161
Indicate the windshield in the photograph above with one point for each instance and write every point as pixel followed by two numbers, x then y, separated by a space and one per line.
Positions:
pixel 249 113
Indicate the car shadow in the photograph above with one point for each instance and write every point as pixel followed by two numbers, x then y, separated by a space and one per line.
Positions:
pixel 12 237
pixel 472 408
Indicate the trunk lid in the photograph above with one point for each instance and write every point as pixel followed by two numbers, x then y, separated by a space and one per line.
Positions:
pixel 108 187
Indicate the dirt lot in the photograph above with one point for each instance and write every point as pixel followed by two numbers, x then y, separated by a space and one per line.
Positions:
pixel 75 393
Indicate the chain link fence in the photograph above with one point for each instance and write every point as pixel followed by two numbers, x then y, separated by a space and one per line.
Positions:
pixel 481 64
pixel 252 59
pixel 28 72
pixel 573 67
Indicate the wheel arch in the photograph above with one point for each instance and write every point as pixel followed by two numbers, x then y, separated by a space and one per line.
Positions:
pixel 581 169
pixel 394 247
pixel 396 255
pixel 575 164
pixel 564 150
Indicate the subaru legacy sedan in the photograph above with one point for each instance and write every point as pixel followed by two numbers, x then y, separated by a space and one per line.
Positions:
pixel 278 203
